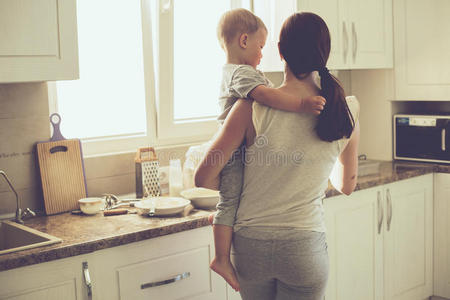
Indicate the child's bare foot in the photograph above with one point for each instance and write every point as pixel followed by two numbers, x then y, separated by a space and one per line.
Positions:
pixel 211 218
pixel 225 269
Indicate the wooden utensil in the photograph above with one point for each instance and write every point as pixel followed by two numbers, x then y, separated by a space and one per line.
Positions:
pixel 62 171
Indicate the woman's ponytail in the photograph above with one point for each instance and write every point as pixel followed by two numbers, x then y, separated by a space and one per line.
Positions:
pixel 305 45
pixel 336 120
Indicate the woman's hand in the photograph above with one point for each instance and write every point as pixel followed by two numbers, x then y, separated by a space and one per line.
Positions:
pixel 231 136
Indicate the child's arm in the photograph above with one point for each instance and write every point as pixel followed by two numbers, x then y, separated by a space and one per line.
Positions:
pixel 280 100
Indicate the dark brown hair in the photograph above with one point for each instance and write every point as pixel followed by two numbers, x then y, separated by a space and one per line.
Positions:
pixel 305 45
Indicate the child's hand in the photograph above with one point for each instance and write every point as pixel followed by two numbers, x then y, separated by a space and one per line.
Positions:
pixel 312 105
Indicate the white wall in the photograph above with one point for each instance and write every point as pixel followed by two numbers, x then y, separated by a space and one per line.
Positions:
pixel 374 90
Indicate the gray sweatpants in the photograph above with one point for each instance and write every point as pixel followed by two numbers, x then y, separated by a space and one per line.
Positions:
pixel 284 264
pixel 230 188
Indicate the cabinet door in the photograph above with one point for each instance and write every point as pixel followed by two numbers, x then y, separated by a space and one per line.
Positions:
pixel 273 13
pixel 355 246
pixel 409 239
pixel 333 13
pixel 370 31
pixel 39 40
pixel 442 235
pixel 422 47
pixel 232 294
pixel 56 280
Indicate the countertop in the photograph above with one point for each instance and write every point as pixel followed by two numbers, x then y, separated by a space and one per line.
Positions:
pixel 82 234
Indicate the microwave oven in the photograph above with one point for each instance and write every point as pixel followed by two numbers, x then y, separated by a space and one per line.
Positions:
pixel 422 138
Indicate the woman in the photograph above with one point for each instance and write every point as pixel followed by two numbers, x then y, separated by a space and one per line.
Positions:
pixel 279 246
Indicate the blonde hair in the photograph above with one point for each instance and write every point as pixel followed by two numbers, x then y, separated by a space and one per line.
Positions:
pixel 236 22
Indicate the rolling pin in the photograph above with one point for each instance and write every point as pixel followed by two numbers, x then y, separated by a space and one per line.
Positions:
pixel 114 212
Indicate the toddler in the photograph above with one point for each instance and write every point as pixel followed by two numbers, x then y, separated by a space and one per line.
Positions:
pixel 242 35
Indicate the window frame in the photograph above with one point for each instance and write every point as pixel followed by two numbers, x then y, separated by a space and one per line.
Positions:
pixel 162 129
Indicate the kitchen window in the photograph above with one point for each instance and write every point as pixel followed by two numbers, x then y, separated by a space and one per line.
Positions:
pixel 149 74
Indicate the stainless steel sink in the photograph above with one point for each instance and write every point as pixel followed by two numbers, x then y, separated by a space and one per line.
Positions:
pixel 15 237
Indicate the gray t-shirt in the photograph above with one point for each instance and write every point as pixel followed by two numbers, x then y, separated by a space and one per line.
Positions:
pixel 287 169
pixel 237 82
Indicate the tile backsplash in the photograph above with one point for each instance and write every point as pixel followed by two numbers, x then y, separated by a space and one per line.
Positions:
pixel 24 121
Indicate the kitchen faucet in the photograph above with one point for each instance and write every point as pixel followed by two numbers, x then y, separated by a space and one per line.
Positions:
pixel 19 213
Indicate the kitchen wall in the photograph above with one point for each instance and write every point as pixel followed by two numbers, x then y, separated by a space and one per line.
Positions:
pixel 24 120
pixel 374 90
pixel 24 112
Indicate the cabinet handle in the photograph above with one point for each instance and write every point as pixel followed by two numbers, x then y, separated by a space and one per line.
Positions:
pixel 380 212
pixel 167 281
pixel 355 41
pixel 443 139
pixel 389 203
pixel 87 278
pixel 344 33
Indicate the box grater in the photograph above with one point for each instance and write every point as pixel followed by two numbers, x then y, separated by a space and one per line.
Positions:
pixel 147 173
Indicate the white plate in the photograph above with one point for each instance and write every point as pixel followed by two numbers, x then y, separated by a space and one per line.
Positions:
pixel 164 206
pixel 201 197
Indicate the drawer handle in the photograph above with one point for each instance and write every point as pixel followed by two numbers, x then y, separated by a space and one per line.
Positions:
pixel 167 281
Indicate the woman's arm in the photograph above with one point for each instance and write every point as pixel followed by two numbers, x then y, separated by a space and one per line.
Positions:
pixel 229 139
pixel 345 172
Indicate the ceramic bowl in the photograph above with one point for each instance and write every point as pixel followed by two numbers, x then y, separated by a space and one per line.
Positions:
pixel 201 197
pixel 164 206
pixel 91 205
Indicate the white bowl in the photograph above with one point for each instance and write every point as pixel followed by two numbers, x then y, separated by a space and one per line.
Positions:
pixel 164 206
pixel 201 197
pixel 91 205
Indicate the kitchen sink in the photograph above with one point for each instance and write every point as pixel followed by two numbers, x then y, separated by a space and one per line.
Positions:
pixel 15 237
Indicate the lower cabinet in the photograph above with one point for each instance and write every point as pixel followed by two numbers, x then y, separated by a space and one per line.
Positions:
pixel 442 235
pixel 380 242
pixel 56 280
pixel 171 267
pixel 232 294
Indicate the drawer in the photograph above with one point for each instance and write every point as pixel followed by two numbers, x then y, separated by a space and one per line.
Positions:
pixel 177 276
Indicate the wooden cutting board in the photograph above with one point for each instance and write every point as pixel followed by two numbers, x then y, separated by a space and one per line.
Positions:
pixel 62 171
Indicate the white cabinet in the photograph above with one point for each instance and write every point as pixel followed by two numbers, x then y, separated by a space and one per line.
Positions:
pixel 422 49
pixel 56 280
pixel 380 242
pixel 408 239
pixel 442 235
pixel 171 267
pixel 355 246
pixel 232 294
pixel 361 32
pixel 39 40
pixel 273 13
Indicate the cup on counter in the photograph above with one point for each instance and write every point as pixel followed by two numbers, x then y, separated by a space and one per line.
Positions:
pixel 91 205
pixel 175 178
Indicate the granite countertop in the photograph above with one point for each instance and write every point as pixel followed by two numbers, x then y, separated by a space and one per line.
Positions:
pixel 82 234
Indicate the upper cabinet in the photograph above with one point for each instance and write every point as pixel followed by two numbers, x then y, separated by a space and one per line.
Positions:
pixel 361 31
pixel 39 40
pixel 422 49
